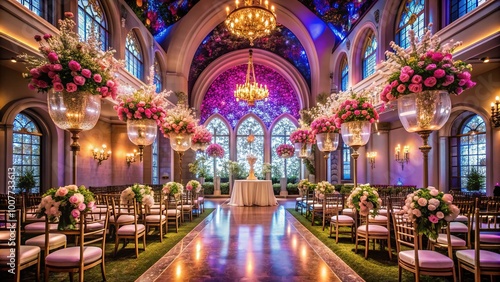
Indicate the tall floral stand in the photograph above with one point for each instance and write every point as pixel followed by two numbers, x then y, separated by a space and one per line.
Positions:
pixel 251 159
pixel 327 142
pixel 356 134
pixel 284 180
pixel 141 132
pixel 180 143
pixel 424 113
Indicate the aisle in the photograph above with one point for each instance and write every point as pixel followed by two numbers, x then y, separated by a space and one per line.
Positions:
pixel 247 244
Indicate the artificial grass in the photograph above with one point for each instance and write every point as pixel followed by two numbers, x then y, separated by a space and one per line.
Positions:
pixel 125 267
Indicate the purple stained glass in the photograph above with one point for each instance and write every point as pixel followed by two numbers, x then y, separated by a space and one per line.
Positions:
pixel 220 96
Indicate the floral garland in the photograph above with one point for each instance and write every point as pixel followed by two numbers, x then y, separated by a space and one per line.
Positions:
pixel 71 65
pixel 302 136
pixel 66 204
pixel 357 108
pixel 324 124
pixel 172 188
pixel 179 120
pixel 142 193
pixel 285 150
pixel 431 210
pixel 201 135
pixel 426 65
pixel 193 185
pixel 215 151
pixel 365 199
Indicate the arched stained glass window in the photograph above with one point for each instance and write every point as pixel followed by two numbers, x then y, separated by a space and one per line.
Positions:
pixel 369 55
pixel 133 55
pixel 250 126
pixel 411 17
pixel 459 8
pixel 34 5
pixel 281 135
pixel 346 162
pixel 158 81
pixel 220 135
pixel 92 20
pixel 344 74
pixel 26 151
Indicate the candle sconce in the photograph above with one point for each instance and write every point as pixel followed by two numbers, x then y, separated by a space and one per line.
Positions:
pixel 371 158
pixel 495 112
pixel 130 157
pixel 404 157
pixel 101 155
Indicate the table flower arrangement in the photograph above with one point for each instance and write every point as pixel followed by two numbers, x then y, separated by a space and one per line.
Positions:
pixel 364 199
pixel 425 65
pixel 215 151
pixel 172 188
pixel 179 120
pixel 193 185
pixel 356 108
pixel 322 188
pixel 71 65
pixel 65 204
pixel 431 210
pixel 285 150
pixel 302 136
pixel 142 193
pixel 201 136
pixel 324 124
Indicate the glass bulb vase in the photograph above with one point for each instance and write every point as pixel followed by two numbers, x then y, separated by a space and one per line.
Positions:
pixel 180 143
pixel 142 132
pixel 327 142
pixel 302 150
pixel 356 134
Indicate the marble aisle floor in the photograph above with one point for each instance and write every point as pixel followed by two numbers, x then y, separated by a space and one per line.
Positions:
pixel 249 244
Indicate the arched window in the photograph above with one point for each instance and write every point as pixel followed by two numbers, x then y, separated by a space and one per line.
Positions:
pixel 467 149
pixel 133 55
pixel 26 151
pixel 34 5
pixel 346 162
pixel 250 126
pixel 281 135
pixel 155 179
pixel 459 8
pixel 411 17
pixel 220 135
pixel 369 55
pixel 344 74
pixel 92 20
pixel 157 76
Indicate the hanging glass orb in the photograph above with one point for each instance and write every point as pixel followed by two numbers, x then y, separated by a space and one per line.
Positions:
pixel 302 150
pixel 74 110
pixel 180 142
pixel 327 142
pixel 356 133
pixel 142 132
pixel 199 146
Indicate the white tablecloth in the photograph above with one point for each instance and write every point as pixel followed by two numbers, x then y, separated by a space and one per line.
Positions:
pixel 252 192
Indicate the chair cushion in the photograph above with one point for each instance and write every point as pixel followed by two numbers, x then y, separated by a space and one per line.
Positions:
pixel 486 258
pixel 382 212
pixel 348 211
pixel 39 227
pixel 201 199
pixel 489 237
pixel 27 253
pixel 155 218
pixel 4 235
pixel 426 258
pixel 458 227
pixel 173 212
pixel 130 229
pixel 32 217
pixel 71 256
pixel 317 206
pixel 373 229
pixel 455 241
pixel 55 239
pixel 378 219
pixel 95 226
pixel 298 199
pixel 342 219
pixel 461 218
pixel 124 218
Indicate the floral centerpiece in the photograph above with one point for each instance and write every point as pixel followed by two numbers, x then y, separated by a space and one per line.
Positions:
pixel 303 185
pixel 193 185
pixel 323 187
pixel 285 150
pixel 179 120
pixel 425 65
pixel 142 193
pixel 201 137
pixel 71 65
pixel 364 199
pixel 431 210
pixel 356 108
pixel 65 204
pixel 324 124
pixel 215 151
pixel 302 135
pixel 172 188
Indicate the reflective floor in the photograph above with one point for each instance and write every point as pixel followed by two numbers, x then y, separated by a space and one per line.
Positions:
pixel 246 244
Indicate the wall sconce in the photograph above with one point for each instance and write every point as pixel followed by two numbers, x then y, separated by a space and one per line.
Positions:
pixel 101 155
pixel 405 157
pixel 371 158
pixel 130 158
pixel 495 112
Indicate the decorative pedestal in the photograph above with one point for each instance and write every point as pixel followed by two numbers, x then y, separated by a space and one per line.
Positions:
pixel 217 186
pixel 251 161
pixel 283 191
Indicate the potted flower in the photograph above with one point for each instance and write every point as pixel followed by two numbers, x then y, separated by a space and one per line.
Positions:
pixel 326 133
pixel 201 138
pixel 179 124
pixel 430 209
pixel 365 199
pixel 65 204
pixel 172 188
pixel 142 193
pixel 193 185
pixel 285 151
pixel 302 140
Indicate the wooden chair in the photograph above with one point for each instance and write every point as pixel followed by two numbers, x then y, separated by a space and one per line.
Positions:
pixel 173 213
pixel 85 255
pixel 55 241
pixel 416 260
pixel 337 220
pixel 133 230
pixel 368 231
pixel 120 213
pixel 155 216
pixel 186 206
pixel 24 256
pixel 486 236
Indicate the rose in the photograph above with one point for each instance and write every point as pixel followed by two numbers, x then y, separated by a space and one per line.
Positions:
pixel 97 78
pixel 86 73
pixel 74 65
pixel 82 206
pixel 422 202
pixel 61 192
pixel 79 80
pixel 58 87
pixel 417 212
pixel 416 79
pixel 439 73
pixel 75 213
pixel 434 219
pixel 73 199
pixel 430 81
pixel 440 215
pixel 448 198
pixel 71 87
pixel 52 56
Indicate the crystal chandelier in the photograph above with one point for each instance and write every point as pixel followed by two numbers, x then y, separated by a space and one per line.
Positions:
pixel 251 20
pixel 251 91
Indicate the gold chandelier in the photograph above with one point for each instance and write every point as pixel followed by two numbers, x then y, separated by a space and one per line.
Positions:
pixel 251 20
pixel 251 91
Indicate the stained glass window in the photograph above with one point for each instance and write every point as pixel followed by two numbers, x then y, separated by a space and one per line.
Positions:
pixel 411 17
pixel 344 74
pixel 157 77
pixel 281 135
pixel 250 126
pixel 458 8
pixel 91 20
pixel 133 55
pixel 34 5
pixel 346 162
pixel 26 151
pixel 369 56
pixel 155 179
pixel 220 135
pixel 472 148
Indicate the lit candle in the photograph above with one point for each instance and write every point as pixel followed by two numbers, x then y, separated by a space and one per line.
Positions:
pixel 227 11
pixel 398 149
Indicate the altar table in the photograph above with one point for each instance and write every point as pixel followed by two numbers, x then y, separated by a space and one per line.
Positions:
pixel 252 192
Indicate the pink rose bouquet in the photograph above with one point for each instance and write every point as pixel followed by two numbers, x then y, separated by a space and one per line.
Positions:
pixel 365 199
pixel 142 193
pixel 179 120
pixel 215 151
pixel 193 185
pixel 357 108
pixel 431 210
pixel 324 124
pixel 65 204
pixel 172 188
pixel 70 64
pixel 285 150
pixel 302 136
pixel 425 65
pixel 201 135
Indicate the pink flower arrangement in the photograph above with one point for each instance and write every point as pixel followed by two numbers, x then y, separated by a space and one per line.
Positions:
pixel 365 199
pixel 179 120
pixel 201 135
pixel 143 194
pixel 302 136
pixel 357 108
pixel 215 151
pixel 426 65
pixel 324 124
pixel 69 64
pixel 193 185
pixel 285 150
pixel 172 188
pixel 430 209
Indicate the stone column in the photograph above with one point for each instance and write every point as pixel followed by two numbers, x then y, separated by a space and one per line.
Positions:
pixel 217 186
pixel 283 191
